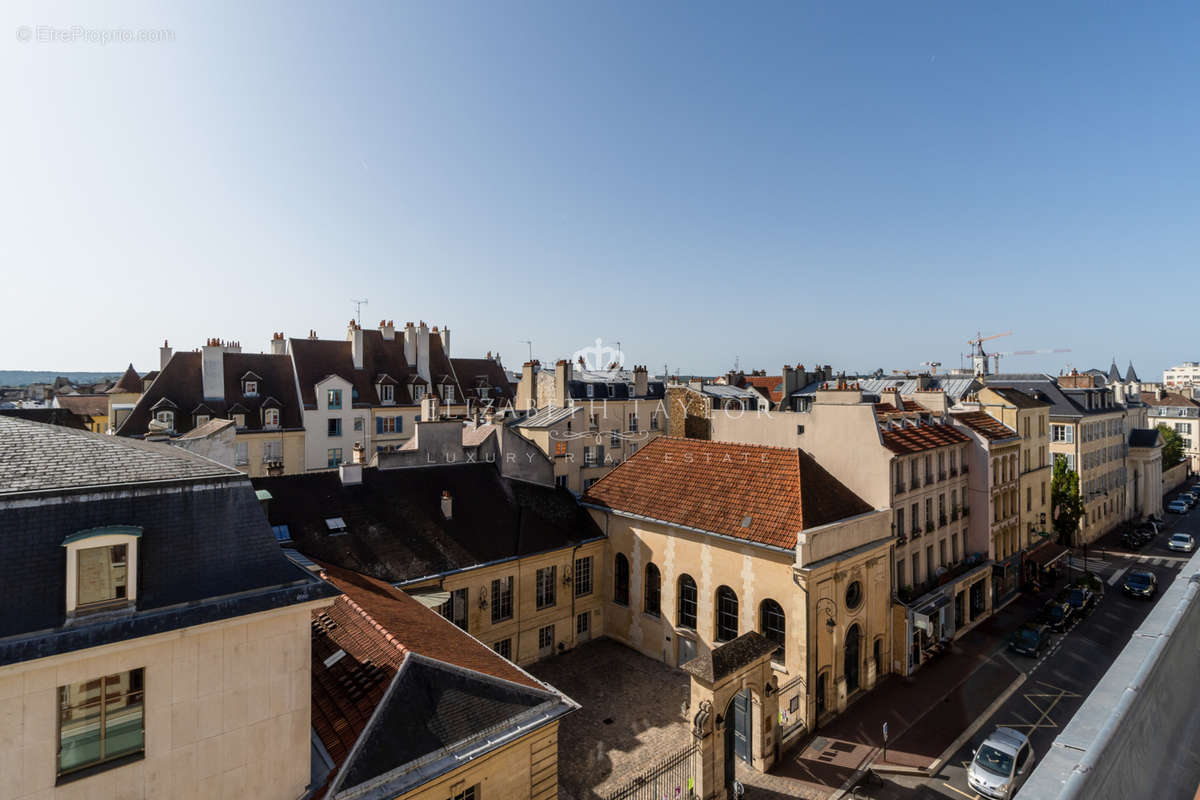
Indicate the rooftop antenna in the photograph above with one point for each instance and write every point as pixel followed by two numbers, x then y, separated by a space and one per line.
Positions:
pixel 530 343
pixel 358 304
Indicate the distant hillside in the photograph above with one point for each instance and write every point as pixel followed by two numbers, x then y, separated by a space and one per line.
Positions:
pixel 20 377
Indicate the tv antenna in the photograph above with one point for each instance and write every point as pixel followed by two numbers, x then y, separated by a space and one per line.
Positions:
pixel 530 343
pixel 358 304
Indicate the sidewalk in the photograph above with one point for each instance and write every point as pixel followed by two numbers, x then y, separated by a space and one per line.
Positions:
pixel 925 713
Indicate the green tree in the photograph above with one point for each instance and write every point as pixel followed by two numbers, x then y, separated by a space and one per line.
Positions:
pixel 1066 507
pixel 1172 452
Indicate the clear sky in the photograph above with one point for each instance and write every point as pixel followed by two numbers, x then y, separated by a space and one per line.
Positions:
pixel 859 184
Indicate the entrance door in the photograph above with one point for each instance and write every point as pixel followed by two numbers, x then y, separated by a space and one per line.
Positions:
pixel 850 669
pixel 737 732
pixel 821 695
pixel 687 650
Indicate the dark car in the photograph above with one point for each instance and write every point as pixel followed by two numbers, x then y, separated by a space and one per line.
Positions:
pixel 1030 640
pixel 1056 614
pixel 1140 584
pixel 1081 599
pixel 1133 540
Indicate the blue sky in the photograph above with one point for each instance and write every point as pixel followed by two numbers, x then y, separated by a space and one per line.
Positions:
pixel 864 185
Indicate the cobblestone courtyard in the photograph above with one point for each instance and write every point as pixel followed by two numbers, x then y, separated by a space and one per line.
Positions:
pixel 631 716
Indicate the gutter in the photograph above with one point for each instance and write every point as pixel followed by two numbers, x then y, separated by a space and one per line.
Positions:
pixel 505 560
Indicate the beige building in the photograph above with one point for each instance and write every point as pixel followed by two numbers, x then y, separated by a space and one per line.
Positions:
pixel 122 397
pixel 153 652
pixel 1180 414
pixel 711 540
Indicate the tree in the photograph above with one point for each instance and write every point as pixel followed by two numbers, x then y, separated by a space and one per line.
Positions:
pixel 1066 507
pixel 1172 452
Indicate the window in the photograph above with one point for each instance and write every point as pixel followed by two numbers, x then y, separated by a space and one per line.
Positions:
pixel 854 595
pixel 102 575
pixel 448 394
pixel 545 587
pixel 583 576
pixel 654 421
pixel 621 580
pixel 583 624
pixel 652 592
pixel 239 420
pixel 591 390
pixel 387 393
pixel 916 509
pixel 470 793
pixel 560 448
pixel 418 392
pixel 916 568
pixel 272 451
pixel 560 481
pixel 389 424
pixel 942 552
pixel 455 609
pixel 771 623
pixel 250 388
pixel 929 568
pixel 1029 498
pixel 727 614
pixel 593 455
pixel 333 457
pixel 271 417
pixel 200 420
pixel 502 599
pixel 166 418
pixel 687 602
pixel 335 525
pixel 333 398
pixel 546 638
pixel 335 426
pixel 1061 433
pixel 100 720
pixel 504 648
pixel 633 422
pixel 358 423
pixel 954 547
pixel 900 522
pixel 241 454
pixel 899 572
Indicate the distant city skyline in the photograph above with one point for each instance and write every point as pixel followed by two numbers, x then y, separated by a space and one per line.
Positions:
pixel 789 182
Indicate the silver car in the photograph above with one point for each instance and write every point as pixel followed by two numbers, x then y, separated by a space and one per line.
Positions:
pixel 1182 542
pixel 1001 764
pixel 1177 507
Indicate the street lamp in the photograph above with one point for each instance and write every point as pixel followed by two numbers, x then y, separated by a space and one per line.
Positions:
pixel 830 612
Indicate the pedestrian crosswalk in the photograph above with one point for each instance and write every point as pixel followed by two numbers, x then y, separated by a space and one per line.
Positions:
pixel 1110 571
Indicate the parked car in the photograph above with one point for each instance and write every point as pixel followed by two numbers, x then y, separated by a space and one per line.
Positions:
pixel 1182 542
pixel 1151 527
pixel 1133 540
pixel 1030 640
pixel 1081 599
pixel 1001 764
pixel 1056 614
pixel 1140 584
pixel 1188 498
pixel 1177 507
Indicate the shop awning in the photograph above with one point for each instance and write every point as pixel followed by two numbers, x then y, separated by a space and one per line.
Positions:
pixel 1046 553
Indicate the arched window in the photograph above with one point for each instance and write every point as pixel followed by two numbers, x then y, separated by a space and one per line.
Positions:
pixel 727 614
pixel 621 580
pixel 687 602
pixel 771 623
pixel 652 593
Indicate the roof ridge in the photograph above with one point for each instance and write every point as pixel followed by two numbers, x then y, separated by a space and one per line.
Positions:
pixel 375 624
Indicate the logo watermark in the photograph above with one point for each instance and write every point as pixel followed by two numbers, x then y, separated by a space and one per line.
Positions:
pixel 599 357
pixel 78 34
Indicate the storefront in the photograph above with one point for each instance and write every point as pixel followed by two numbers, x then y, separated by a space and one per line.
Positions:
pixel 940 616
pixel 1039 564
pixel 1006 579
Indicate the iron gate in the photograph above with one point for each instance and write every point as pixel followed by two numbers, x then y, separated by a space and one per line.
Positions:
pixel 673 778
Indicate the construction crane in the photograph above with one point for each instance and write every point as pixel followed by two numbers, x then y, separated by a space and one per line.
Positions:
pixel 979 356
pixel 996 356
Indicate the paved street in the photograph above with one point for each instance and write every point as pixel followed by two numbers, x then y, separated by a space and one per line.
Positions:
pixel 1057 684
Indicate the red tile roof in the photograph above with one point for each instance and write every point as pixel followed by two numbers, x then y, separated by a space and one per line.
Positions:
pixel 1169 399
pixel 914 439
pixel 985 425
pixel 716 486
pixel 376 625
pixel 769 385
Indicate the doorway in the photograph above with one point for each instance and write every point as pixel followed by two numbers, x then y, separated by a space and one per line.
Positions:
pixel 737 732
pixel 850 668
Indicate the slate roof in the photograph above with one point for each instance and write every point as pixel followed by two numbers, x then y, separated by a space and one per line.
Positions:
pixel 613 390
pixel 716 486
pixel 46 458
pixel 714 665
pixel 454 690
pixel 917 438
pixel 182 383
pixel 1019 398
pixel 1043 386
pixel 1143 437
pixel 62 417
pixel 724 391
pixel 483 379
pixel 547 417
pixel 1131 375
pixel 93 405
pixel 395 527
pixel 955 386
pixel 129 382
pixel 206 552
pixel 985 425
pixel 1171 399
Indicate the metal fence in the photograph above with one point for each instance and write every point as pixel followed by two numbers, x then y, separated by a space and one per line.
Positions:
pixel 673 778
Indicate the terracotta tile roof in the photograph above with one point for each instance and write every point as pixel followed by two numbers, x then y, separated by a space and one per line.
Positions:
pixel 914 439
pixel 770 385
pixel 1169 399
pixel 885 408
pixel 985 425
pixel 717 486
pixel 912 405
pixel 130 382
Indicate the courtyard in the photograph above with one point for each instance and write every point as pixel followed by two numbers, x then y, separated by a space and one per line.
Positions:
pixel 633 715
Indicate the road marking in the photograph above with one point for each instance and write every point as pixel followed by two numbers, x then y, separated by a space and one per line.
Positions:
pixel 1117 576
pixel 960 791
pixel 1044 721
pixel 1158 562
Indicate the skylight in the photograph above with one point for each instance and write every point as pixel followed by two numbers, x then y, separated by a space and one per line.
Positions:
pixel 336 525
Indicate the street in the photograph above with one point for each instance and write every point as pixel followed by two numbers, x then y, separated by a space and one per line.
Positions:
pixel 1057 682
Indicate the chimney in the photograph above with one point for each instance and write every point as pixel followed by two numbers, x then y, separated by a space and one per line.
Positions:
pixel 446 341
pixel 388 329
pixel 641 380
pixel 423 351
pixel 447 505
pixel 358 453
pixel 410 345
pixel 354 335
pixel 212 369
pixel 164 355
pixel 562 376
pixel 351 473
pixel 278 344
pixel 233 347
pixel 527 388
pixel 1160 393
pixel 431 406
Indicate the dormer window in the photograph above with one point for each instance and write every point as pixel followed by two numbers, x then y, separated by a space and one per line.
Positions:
pixel 271 417
pixel 201 419
pixel 418 393
pixel 387 393
pixel 101 568
pixel 333 399
pixel 239 420
pixel 250 388
pixel 448 394
pixel 591 390
pixel 166 418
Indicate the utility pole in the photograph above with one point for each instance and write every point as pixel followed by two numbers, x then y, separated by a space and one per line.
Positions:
pixel 358 304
